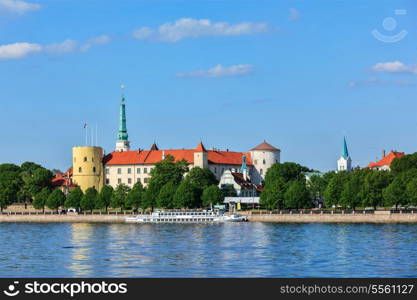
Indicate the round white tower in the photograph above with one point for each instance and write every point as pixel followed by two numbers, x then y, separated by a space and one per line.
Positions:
pixel 263 157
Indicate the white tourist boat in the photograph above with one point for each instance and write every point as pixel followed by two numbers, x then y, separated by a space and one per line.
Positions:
pixel 187 217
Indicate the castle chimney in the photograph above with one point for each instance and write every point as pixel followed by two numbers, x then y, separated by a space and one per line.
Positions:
pixel 383 153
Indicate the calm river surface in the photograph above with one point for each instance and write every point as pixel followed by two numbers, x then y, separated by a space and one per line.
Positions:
pixel 213 250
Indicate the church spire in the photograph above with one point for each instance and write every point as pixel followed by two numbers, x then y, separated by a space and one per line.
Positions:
pixel 122 143
pixel 345 162
pixel 345 152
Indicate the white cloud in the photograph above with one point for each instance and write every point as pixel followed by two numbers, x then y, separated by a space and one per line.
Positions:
pixel 219 71
pixel 61 48
pixel 394 67
pixel 294 14
pixel 379 82
pixel 18 50
pixel 98 40
pixel 21 50
pixel 193 28
pixel 18 7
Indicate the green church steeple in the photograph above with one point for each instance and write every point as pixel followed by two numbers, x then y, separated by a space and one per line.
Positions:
pixel 122 135
pixel 345 152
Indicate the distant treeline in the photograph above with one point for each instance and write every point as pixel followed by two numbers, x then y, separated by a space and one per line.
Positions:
pixel 286 186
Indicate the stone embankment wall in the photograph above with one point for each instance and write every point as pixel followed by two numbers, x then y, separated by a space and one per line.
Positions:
pixel 63 218
pixel 382 217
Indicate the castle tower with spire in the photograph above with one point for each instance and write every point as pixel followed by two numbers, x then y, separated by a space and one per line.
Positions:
pixel 122 143
pixel 344 163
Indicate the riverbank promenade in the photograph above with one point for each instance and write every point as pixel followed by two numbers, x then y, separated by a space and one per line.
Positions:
pixel 304 216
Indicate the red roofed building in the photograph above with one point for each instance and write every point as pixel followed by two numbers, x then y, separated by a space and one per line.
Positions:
pixel 385 162
pixel 128 167
pixel 64 181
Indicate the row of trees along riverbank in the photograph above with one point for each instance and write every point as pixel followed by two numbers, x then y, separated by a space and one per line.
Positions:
pixel 167 188
pixel 286 186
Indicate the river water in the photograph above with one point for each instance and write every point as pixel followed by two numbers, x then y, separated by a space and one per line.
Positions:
pixel 208 250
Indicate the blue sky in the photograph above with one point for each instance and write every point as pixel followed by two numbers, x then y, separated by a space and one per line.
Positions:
pixel 300 74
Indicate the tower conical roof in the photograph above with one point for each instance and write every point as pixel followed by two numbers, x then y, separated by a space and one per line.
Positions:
pixel 200 148
pixel 265 146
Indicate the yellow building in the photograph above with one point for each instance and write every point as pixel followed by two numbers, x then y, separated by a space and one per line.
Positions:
pixel 88 167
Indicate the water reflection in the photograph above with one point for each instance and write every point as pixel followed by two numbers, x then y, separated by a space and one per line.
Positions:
pixel 81 241
pixel 209 250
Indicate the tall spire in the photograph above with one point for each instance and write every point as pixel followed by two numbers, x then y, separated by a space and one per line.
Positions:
pixel 345 152
pixel 122 135
pixel 122 143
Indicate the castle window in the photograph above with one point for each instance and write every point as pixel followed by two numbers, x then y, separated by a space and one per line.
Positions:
pixel 145 170
pixel 92 159
pixel 119 180
pixel 107 181
pixel 261 171
pixel 256 161
pixel 146 180
pixel 263 161
pixel 94 169
pixel 119 171
pixel 215 170
pixel 85 159
pixel 138 170
pixel 80 170
pixel 107 171
pixel 138 180
pixel 129 171
pixel 129 180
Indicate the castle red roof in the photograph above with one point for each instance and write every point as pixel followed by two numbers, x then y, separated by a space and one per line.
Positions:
pixel 63 179
pixel 265 146
pixel 387 160
pixel 200 148
pixel 154 156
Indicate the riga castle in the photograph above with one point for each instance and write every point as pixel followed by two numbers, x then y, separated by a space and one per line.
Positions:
pixel 91 168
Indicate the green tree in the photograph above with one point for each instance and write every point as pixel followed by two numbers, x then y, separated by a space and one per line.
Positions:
pixel 316 186
pixel 403 164
pixel 375 183
pixel 134 197
pixel 201 178
pixel 273 195
pixel 333 191
pixel 297 195
pixel 186 196
pixel 56 199
pixel 104 198
pixel 119 196
pixel 228 190
pixel 40 178
pixel 40 199
pixel 287 171
pixel 89 199
pixel 164 171
pixel 212 195
pixel 10 183
pixel 166 195
pixel 395 193
pixel 74 198
pixel 351 195
pixel 412 192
